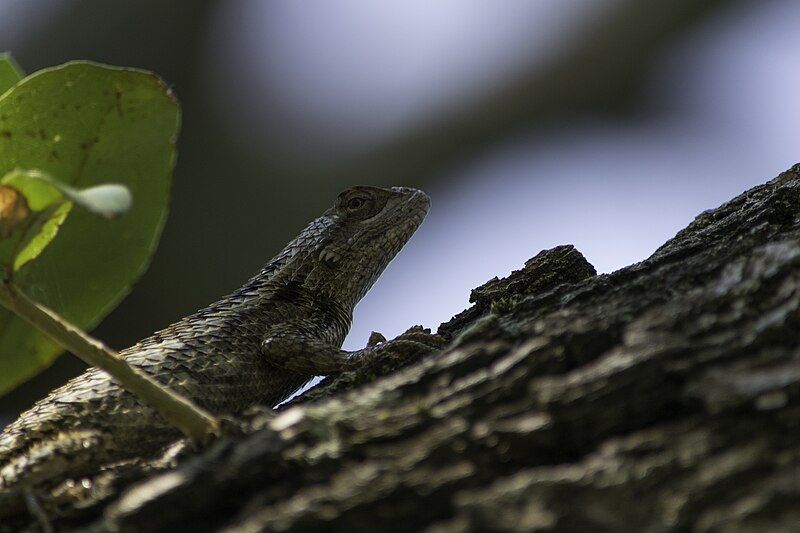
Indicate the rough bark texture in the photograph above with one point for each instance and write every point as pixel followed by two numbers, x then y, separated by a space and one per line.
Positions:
pixel 664 396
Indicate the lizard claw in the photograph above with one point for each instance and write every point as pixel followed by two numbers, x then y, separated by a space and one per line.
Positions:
pixel 411 345
pixel 375 338
pixel 424 336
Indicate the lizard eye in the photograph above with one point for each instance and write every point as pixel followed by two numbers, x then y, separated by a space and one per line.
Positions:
pixel 360 203
pixel 355 203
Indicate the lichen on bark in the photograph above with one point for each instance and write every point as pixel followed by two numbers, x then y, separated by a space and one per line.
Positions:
pixel 664 396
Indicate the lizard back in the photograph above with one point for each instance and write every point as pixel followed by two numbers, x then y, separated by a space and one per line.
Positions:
pixel 214 356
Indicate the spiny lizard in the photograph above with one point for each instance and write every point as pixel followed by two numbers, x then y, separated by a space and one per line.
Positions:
pixel 256 346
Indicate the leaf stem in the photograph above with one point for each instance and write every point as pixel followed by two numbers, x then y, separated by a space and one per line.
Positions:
pixel 194 421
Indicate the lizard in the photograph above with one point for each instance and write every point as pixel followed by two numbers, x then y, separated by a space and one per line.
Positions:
pixel 257 345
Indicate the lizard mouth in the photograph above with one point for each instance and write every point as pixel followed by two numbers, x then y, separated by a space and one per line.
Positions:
pixel 414 196
pixel 416 203
pixel 409 214
pixel 400 233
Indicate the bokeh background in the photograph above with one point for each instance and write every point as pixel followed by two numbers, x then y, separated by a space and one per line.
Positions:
pixel 607 124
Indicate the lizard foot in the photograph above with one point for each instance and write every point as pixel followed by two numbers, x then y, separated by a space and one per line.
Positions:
pixel 424 336
pixel 410 346
pixel 375 338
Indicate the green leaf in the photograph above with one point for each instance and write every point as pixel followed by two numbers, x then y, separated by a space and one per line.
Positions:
pixel 40 193
pixel 86 124
pixel 41 232
pixel 31 223
pixel 10 73
pixel 109 200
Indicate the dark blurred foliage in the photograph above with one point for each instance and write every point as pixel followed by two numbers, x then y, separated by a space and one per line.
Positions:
pixel 224 223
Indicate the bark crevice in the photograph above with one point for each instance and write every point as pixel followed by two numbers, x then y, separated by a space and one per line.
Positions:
pixel 663 396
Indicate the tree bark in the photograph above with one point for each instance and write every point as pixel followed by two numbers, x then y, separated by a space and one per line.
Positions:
pixel 664 396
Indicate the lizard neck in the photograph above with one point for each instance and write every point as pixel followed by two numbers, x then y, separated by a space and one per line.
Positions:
pixel 281 295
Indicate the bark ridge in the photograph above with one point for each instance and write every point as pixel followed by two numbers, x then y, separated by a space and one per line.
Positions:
pixel 662 397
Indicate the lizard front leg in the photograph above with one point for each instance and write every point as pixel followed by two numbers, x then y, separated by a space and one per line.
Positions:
pixel 292 349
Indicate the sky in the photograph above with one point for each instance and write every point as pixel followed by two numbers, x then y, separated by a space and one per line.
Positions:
pixel 722 116
pixel 327 82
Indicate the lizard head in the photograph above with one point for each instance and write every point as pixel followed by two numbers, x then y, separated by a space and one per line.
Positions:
pixel 342 253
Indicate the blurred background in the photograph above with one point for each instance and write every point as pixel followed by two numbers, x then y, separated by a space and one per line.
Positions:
pixel 607 124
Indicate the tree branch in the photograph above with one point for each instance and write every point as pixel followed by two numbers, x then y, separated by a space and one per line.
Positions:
pixel 662 397
pixel 196 423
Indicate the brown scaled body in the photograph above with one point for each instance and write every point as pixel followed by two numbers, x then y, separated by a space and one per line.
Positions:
pixel 255 346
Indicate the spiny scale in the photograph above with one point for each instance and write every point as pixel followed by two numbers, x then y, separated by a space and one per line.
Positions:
pixel 255 346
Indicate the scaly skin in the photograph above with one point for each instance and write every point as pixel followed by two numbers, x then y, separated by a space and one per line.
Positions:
pixel 255 346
